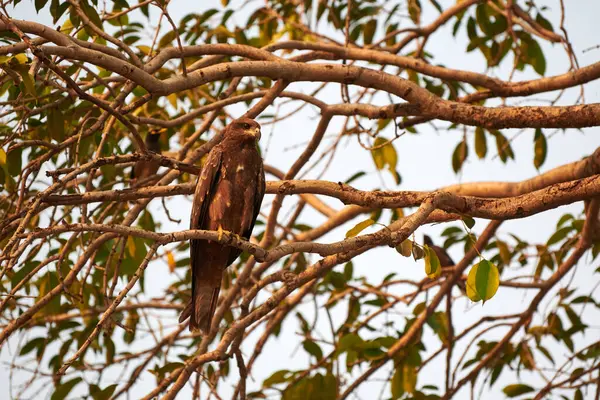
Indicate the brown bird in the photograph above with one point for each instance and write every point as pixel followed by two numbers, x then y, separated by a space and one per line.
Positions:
pixel 228 195
pixel 445 260
pixel 144 169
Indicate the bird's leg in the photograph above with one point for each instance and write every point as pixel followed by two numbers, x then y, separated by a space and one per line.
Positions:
pixel 238 237
pixel 220 232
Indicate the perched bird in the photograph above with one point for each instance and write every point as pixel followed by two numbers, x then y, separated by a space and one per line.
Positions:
pixel 229 191
pixel 145 169
pixel 445 260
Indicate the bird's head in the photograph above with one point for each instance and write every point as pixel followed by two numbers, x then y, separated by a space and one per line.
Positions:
pixel 245 127
pixel 152 140
pixel 427 240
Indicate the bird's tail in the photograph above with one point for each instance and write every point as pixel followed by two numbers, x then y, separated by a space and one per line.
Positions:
pixel 205 293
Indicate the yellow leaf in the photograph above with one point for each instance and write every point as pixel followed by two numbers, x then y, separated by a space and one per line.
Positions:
pixel 471 292
pixel 131 246
pixel 144 49
pixel 171 261
pixel 2 157
pixel 173 99
pixel 27 78
pixel 67 27
pixel 358 228
pixel 390 156
pixel 409 375
pixel 405 248
pixel 432 263
pixel 21 58
pixel 483 281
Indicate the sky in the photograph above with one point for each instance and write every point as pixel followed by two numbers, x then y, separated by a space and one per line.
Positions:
pixel 424 164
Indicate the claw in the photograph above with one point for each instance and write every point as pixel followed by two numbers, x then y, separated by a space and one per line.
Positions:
pixel 220 232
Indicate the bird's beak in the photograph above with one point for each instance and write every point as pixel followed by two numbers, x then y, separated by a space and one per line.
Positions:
pixel 257 133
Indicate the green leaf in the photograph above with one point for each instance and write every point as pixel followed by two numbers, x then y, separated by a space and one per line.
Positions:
pixel 438 321
pixel 355 177
pixel 32 345
pixel 348 270
pixel 102 394
pixel 63 390
pixel 544 22
pixel 313 349
pixel 432 263
pixel 517 390
pixel 22 272
pixel 564 219
pixel 167 39
pixel 57 9
pixel 397 383
pixel 91 13
pixel 382 123
pixel 49 282
pixel 39 4
pixel 536 56
pixel 27 78
pixel 469 221
pixel 358 228
pixel 409 378
pixel 349 341
pixel 13 161
pixel 276 378
pixel 369 31
pixel 390 156
pixel 540 148
pixel 480 142
pixel 56 124
pixel 483 281
pixel 503 146
pixel 385 155
pixel 414 10
pixel 459 156
pixel 559 235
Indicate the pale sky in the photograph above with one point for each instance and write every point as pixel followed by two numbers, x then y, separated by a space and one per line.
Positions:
pixel 424 164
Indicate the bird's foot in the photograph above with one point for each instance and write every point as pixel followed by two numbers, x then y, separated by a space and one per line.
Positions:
pixel 220 232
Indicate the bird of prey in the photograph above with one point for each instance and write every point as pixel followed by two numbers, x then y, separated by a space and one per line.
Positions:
pixel 445 260
pixel 144 169
pixel 229 191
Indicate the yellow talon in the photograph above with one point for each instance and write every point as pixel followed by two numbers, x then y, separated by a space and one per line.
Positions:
pixel 220 232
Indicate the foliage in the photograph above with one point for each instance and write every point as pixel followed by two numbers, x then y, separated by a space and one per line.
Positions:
pixel 81 312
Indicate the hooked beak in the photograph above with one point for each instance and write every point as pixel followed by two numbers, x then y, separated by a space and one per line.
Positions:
pixel 257 133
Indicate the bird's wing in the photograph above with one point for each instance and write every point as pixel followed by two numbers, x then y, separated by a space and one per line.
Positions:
pixel 205 187
pixel 256 201
pixel 258 196
pixel 443 256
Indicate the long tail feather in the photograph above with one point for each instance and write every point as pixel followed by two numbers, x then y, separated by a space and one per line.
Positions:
pixel 205 294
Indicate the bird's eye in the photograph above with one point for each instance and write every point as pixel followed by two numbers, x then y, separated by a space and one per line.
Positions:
pixel 246 126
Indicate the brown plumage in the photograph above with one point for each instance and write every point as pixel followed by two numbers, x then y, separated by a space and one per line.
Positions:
pixel 144 169
pixel 228 195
